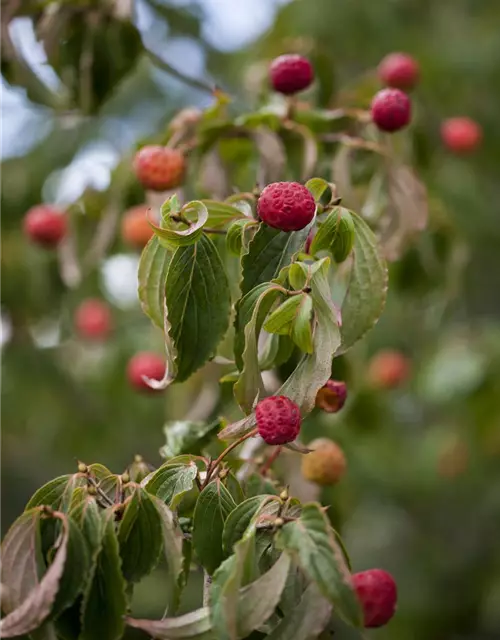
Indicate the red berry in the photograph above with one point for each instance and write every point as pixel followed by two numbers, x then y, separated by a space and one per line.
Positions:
pixel 461 135
pixel 377 593
pixel 388 369
pixel 332 396
pixel 391 110
pixel 291 73
pixel 146 364
pixel 93 319
pixel 278 420
pixel 399 70
pixel 45 225
pixel 288 206
pixel 136 230
pixel 159 168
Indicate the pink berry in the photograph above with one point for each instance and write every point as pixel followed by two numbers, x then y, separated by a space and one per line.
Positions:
pixel 146 364
pixel 45 225
pixel 391 110
pixel 399 70
pixel 389 369
pixel 461 135
pixel 288 206
pixel 332 396
pixel 278 420
pixel 291 73
pixel 377 593
pixel 93 319
pixel 159 168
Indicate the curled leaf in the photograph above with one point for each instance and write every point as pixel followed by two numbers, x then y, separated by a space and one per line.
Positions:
pixel 170 233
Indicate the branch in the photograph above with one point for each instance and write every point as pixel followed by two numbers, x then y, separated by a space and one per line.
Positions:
pixel 191 82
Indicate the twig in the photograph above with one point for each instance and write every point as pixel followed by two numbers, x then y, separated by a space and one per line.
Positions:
pixel 355 143
pixel 69 267
pixel 267 465
pixel 192 82
pixel 213 465
pixel 207 582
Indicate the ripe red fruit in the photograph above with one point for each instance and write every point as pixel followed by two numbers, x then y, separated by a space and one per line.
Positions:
pixel 332 396
pixel 288 206
pixel 388 369
pixel 136 230
pixel 278 420
pixel 377 593
pixel 159 168
pixel 146 364
pixel 461 135
pixel 391 110
pixel 291 73
pixel 45 225
pixel 93 319
pixel 399 70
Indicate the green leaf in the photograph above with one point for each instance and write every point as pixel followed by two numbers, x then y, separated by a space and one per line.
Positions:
pixel 366 288
pixel 185 436
pixel 220 213
pixel 234 237
pixel 172 481
pixel 293 318
pixel 152 276
pixel 198 304
pixel 212 508
pixel 55 493
pixel 86 515
pixel 104 602
pixel 233 486
pixel 195 625
pixel 319 188
pixel 169 233
pixel 257 485
pixel 268 252
pixel 310 541
pixel 314 369
pixel 336 234
pixel 240 518
pixel 139 536
pixel 306 620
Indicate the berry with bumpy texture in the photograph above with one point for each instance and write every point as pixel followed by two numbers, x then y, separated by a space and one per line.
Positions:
pixel 145 364
pixel 278 420
pixel 461 135
pixel 159 168
pixel 93 319
pixel 291 73
pixel 377 593
pixel 135 228
pixel 391 110
pixel 388 369
pixel 326 464
pixel 45 225
pixel 399 70
pixel 332 396
pixel 288 206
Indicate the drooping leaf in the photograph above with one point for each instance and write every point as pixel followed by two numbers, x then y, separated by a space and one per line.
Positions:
pixel 169 233
pixel 221 213
pixel 152 276
pixel 233 486
pixel 293 318
pixel 198 304
pixel 214 504
pixel 195 625
pixel 240 518
pixel 310 541
pixel 55 493
pixel 319 188
pixel 239 428
pixel 235 234
pixel 112 486
pixel 306 620
pixel 185 436
pixel 336 234
pixel 172 481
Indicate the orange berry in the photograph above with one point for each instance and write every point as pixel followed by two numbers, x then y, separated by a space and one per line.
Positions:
pixel 388 369
pixel 159 168
pixel 326 464
pixel 136 230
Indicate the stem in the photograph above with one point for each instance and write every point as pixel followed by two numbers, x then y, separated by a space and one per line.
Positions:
pixel 207 581
pixel 179 217
pixel 100 492
pixel 192 82
pixel 213 465
pixel 267 465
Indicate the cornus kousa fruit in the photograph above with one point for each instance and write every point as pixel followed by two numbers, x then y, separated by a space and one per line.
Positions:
pixel 45 225
pixel 288 206
pixel 391 110
pixel 291 73
pixel 326 464
pixel 93 319
pixel 461 135
pixel 278 420
pixel 332 396
pixel 135 228
pixel 399 70
pixel 377 592
pixel 145 364
pixel 159 168
pixel 388 369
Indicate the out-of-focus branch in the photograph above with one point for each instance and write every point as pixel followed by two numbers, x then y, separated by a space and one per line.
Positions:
pixel 192 82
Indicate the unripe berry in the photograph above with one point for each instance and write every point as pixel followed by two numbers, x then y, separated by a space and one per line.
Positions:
pixel 377 593
pixel 461 135
pixel 326 464
pixel 146 364
pixel 391 110
pixel 332 396
pixel 45 225
pixel 288 206
pixel 136 230
pixel 93 319
pixel 388 369
pixel 291 73
pixel 399 70
pixel 159 168
pixel 278 420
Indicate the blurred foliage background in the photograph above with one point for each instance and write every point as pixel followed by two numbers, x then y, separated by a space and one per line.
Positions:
pixel 421 495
